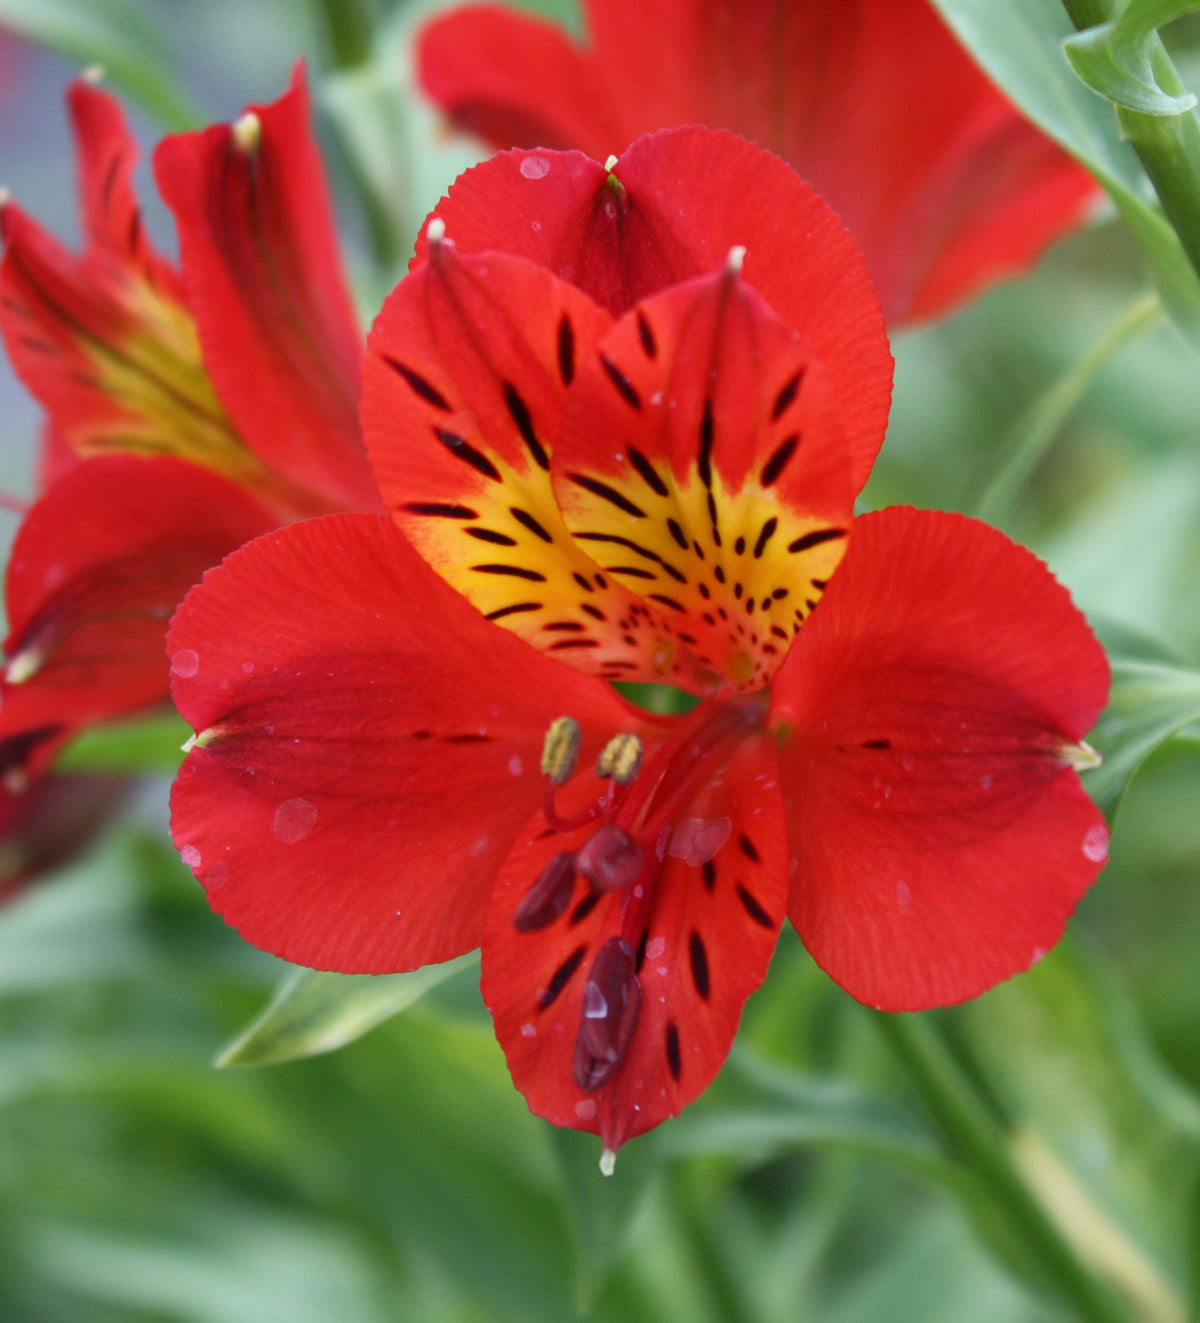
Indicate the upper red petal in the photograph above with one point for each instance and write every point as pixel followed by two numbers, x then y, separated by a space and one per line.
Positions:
pixel 372 746
pixel 942 182
pixel 686 197
pixel 266 286
pixel 928 709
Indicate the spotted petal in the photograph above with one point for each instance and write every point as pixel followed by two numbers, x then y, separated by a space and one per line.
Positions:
pixel 929 714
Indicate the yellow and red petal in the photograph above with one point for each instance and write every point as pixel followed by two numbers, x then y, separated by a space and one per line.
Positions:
pixel 265 283
pixel 467 368
pixel 673 206
pixel 697 932
pixel 930 714
pixel 943 183
pixel 97 568
pixel 368 747
pixel 703 462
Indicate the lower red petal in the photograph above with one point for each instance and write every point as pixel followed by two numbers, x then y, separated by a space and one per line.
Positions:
pixel 929 710
pixel 369 746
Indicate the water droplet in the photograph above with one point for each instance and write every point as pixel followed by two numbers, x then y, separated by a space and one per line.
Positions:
pixel 610 209
pixel 697 840
pixel 595 1007
pixel 294 819
pixel 515 766
pixel 217 876
pixel 585 1109
pixel 655 948
pixel 1039 954
pixel 904 897
pixel 248 667
pixel 190 856
pixel 535 226
pixel 529 1030
pixel 535 167
pixel 185 662
pixel 985 782
pixel 1095 845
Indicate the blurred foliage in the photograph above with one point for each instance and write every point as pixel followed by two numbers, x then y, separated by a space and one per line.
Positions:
pixel 401 1177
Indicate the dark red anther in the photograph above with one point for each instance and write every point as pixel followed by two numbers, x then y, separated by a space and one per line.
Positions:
pixel 612 1000
pixel 610 858
pixel 549 896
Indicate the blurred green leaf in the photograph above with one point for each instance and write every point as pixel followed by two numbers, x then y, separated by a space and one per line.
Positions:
pixel 152 743
pixel 1018 43
pixel 120 36
pixel 1116 59
pixel 1151 701
pixel 315 1012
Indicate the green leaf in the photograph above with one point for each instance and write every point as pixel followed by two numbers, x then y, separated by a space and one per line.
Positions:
pixel 118 35
pixel 1151 701
pixel 314 1012
pixel 1117 59
pixel 1018 44
pixel 145 744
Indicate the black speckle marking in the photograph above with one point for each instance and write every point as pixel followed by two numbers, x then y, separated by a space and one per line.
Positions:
pixel 566 350
pixel 749 849
pixel 647 472
pixel 699 958
pixel 706 445
pixel 468 738
pixel 420 387
pixel 779 461
pixel 564 644
pixel 816 538
pixel 565 626
pixel 646 336
pixel 593 611
pixel 584 583
pixel 523 421
pixel 460 448
pixel 708 871
pixel 607 493
pixel 677 534
pixel 766 533
pixel 785 397
pixel 515 571
pixel 753 908
pixel 585 907
pixel 526 520
pixel 518 608
pixel 640 958
pixel 560 978
pixel 876 744
pixel 441 509
pixel 739 547
pixel 490 535
pixel 674 1060
pixel 625 388
pixel 668 601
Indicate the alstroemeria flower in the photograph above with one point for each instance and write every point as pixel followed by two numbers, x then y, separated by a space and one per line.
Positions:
pixel 889 708
pixel 942 182
pixel 188 411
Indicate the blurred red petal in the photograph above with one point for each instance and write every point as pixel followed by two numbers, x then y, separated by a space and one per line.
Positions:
pixel 928 710
pixel 369 746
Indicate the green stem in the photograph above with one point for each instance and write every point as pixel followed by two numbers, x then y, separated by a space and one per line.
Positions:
pixel 1005 471
pixel 971 1129
pixel 1168 145
pixel 348 26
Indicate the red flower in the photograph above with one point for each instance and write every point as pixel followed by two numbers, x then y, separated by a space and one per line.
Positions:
pixel 889 707
pixel 940 180
pixel 188 411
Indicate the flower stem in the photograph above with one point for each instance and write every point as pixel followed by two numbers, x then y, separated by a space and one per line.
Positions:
pixel 969 1126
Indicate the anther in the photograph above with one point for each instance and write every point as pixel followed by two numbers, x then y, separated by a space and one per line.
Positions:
pixel 560 750
pixel 247 133
pixel 1082 757
pixel 549 896
pixel 621 758
pixel 736 259
pixel 435 231
pixel 612 1001
pixel 610 858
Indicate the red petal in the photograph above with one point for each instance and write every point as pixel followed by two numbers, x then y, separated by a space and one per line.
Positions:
pixel 98 565
pixel 703 945
pixel 942 182
pixel 703 461
pixel 686 197
pixel 928 711
pixel 370 746
pixel 266 286
pixel 464 382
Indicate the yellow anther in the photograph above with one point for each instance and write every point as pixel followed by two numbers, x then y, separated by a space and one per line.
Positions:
pixel 736 259
pixel 247 132
pixel 1081 756
pixel 201 740
pixel 24 666
pixel 621 758
pixel 610 164
pixel 560 752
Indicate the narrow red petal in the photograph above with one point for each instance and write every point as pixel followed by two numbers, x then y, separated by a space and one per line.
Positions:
pixel 675 205
pixel 928 713
pixel 467 369
pixel 704 463
pixel 368 746
pixel 98 566
pixel 266 286
pixel 700 935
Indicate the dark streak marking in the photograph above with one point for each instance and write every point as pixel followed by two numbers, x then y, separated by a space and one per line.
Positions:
pixel 708 872
pixel 593 611
pixel 524 424
pixel 563 644
pixel 445 511
pixel 647 472
pixel 561 977
pixel 566 350
pixel 748 849
pixel 646 336
pixel 569 626
pixel 460 449
pixel 810 540
pixel 674 1061
pixel 668 601
pixel 633 571
pixel 640 958
pixel 739 547
pixel 607 493
pixel 706 444
pixel 778 461
pixel 705 592
pixel 585 584
pixel 699 957
pixel 785 397
pixel 585 907
pixel 468 739
pixel 678 534
pixel 712 519
pixel 876 744
pixel 528 521
pixel 426 390
pixel 752 907
pixel 625 387
pixel 515 610
pixel 765 535
pixel 514 570
pixel 489 535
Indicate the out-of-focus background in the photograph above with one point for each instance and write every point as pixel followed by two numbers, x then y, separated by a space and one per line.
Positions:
pixel 401 1177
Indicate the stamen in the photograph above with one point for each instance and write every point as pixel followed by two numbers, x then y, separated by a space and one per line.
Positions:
pixel 560 751
pixel 435 231
pixel 610 858
pixel 736 259
pixel 621 758
pixel 247 133
pixel 1082 757
pixel 612 1001
pixel 549 897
